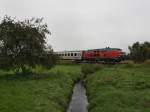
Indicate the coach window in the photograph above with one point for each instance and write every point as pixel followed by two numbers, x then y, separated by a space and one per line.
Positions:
pixel 65 54
pixel 75 54
pixel 68 54
pixel 71 54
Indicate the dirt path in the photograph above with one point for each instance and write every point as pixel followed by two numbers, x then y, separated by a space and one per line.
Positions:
pixel 79 101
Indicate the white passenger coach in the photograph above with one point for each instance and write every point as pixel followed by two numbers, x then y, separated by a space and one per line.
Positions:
pixel 70 55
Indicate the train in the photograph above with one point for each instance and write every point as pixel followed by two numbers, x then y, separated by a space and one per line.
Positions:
pixel 104 55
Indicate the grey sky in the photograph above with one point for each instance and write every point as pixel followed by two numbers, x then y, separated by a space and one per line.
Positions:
pixel 87 24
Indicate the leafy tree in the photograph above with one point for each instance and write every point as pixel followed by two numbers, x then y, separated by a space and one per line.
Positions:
pixel 23 43
pixel 140 52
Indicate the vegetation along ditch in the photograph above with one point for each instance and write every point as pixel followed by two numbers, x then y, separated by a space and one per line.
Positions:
pixel 119 88
pixel 96 87
pixel 47 91
pixel 112 88
pixel 79 100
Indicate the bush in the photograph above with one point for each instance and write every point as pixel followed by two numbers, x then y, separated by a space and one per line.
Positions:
pixel 26 70
pixel 39 69
pixel 66 62
pixel 128 63
pixel 140 52
pixel 90 68
pixel 147 62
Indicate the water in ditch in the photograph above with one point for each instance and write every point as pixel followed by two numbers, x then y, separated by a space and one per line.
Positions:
pixel 79 100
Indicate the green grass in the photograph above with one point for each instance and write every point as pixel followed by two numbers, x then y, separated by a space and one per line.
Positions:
pixel 90 68
pixel 119 88
pixel 48 91
pixel 110 88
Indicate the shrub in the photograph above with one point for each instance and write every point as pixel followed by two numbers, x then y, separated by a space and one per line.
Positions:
pixel 140 52
pixel 147 62
pixel 90 68
pixel 129 63
pixel 66 62
pixel 26 70
pixel 39 69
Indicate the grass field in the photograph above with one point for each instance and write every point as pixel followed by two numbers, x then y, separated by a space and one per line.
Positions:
pixel 119 88
pixel 48 92
pixel 110 88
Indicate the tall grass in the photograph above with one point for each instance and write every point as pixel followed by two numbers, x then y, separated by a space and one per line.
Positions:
pixel 119 89
pixel 48 93
pixel 90 68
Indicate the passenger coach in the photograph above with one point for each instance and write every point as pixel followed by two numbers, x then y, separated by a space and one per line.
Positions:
pixel 70 55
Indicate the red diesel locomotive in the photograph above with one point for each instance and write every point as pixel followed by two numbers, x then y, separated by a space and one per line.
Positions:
pixel 105 55
pixel 94 55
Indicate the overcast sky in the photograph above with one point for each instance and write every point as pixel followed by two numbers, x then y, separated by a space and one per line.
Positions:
pixel 87 24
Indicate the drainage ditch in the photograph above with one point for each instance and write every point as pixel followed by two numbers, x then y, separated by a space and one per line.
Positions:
pixel 79 100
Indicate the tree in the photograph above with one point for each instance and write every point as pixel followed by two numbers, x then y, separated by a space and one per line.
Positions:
pixel 23 43
pixel 140 52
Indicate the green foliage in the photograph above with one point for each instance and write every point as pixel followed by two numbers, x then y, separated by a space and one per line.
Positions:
pixel 140 52
pixel 23 43
pixel 119 89
pixel 147 62
pixel 39 69
pixel 90 68
pixel 50 93
pixel 129 64
pixel 66 62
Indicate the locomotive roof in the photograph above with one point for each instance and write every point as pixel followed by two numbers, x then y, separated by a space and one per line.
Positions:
pixel 106 49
